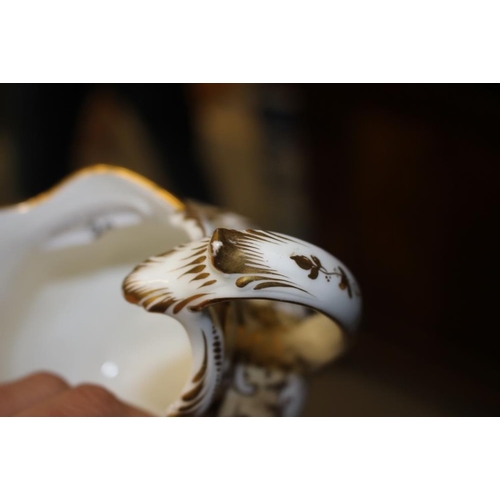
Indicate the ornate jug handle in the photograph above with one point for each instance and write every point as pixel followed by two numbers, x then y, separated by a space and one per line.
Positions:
pixel 235 265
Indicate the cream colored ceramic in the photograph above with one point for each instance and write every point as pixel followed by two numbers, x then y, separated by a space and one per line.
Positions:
pixel 235 334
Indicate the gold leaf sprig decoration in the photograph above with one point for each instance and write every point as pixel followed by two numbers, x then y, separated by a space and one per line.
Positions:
pixel 314 266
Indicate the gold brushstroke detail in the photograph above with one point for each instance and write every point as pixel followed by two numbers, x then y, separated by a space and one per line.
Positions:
pixel 243 281
pixel 130 297
pixel 208 283
pixel 200 277
pixel 184 302
pixel 187 408
pixel 199 260
pixel 279 236
pixel 231 258
pixel 194 270
pixel 345 283
pixel 199 252
pixel 164 254
pixel 162 306
pixel 260 236
pixel 192 398
pixel 149 300
pixel 190 395
pixel 271 284
pixel 201 372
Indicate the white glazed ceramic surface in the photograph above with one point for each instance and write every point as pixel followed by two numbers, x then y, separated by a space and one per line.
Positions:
pixel 63 259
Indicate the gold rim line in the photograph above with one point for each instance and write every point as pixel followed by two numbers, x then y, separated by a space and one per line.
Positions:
pixel 100 169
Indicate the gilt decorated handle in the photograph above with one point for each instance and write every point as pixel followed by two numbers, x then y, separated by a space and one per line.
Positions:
pixel 232 265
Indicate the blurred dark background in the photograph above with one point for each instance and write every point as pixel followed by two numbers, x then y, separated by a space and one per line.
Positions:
pixel 398 181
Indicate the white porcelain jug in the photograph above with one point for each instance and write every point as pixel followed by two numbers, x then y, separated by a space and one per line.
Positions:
pixel 244 314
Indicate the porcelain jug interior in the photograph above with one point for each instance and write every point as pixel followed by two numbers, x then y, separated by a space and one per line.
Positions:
pixel 61 271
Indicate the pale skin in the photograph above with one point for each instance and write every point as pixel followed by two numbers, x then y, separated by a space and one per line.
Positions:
pixel 48 395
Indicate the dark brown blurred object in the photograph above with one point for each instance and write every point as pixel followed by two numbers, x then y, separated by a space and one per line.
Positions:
pixel 405 187
pixel 60 127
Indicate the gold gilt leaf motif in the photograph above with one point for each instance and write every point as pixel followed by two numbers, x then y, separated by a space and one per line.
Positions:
pixel 302 262
pixel 200 276
pixel 233 256
pixel 208 283
pixel 243 281
pixel 237 252
pixel 313 264
pixel 194 270
pixel 160 299
pixel 199 260
pixel 184 302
